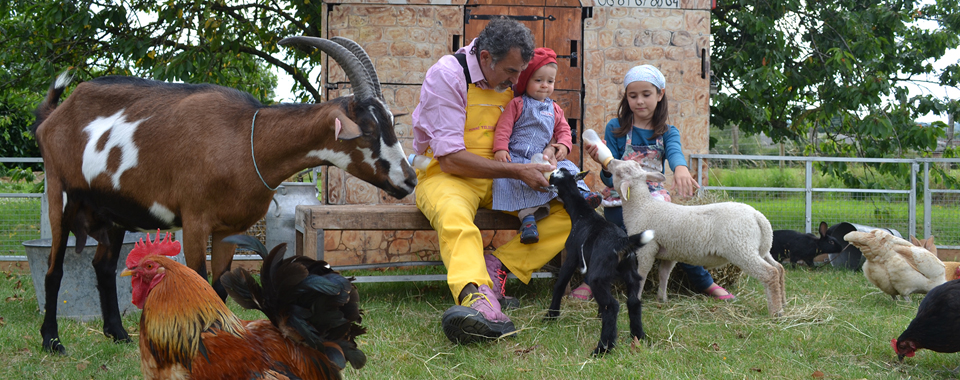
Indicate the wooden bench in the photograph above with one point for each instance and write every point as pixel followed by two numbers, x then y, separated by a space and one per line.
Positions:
pixel 311 222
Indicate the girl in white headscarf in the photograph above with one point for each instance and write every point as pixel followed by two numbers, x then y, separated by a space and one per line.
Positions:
pixel 641 133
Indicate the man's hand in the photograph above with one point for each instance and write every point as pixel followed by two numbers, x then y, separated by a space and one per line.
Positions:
pixel 502 156
pixel 466 164
pixel 532 175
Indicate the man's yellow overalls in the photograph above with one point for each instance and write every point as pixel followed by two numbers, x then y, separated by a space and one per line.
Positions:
pixel 450 202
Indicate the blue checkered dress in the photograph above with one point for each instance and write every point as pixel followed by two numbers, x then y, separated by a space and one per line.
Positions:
pixel 531 134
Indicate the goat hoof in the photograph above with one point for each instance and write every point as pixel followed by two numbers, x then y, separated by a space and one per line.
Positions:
pixel 600 351
pixel 119 336
pixel 53 346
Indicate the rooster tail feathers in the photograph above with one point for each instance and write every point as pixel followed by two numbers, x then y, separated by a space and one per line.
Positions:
pixel 335 354
pixel 248 243
pixel 356 357
pixel 305 298
pixel 243 288
pixel 341 353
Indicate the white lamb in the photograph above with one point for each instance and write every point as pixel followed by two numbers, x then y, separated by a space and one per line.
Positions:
pixel 709 235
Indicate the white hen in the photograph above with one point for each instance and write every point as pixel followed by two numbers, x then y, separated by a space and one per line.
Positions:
pixel 895 266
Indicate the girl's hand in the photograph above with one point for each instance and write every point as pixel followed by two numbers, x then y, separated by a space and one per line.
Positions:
pixel 593 151
pixel 683 182
pixel 561 151
pixel 502 156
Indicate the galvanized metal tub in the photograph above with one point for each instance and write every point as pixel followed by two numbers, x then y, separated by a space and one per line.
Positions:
pixel 79 297
pixel 851 257
pixel 282 211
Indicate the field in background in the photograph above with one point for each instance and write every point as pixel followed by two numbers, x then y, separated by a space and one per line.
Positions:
pixel 785 209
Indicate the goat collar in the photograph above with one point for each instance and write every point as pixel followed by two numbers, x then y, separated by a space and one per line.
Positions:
pixel 254 157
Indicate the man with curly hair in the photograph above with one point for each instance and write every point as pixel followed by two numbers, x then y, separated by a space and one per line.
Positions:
pixel 461 99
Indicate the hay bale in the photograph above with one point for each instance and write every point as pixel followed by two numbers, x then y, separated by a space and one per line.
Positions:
pixel 726 276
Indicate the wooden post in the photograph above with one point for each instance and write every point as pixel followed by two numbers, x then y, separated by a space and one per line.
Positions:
pixel 735 142
pixel 782 152
pixel 950 130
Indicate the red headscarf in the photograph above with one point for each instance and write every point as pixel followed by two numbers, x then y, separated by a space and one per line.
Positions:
pixel 541 56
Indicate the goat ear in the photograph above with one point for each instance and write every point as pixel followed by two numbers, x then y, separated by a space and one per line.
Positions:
pixel 400 114
pixel 344 128
pixel 582 174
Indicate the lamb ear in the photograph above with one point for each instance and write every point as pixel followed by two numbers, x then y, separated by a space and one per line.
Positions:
pixel 625 190
pixel 344 128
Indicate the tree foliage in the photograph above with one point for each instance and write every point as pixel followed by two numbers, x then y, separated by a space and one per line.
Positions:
pixel 231 43
pixel 787 68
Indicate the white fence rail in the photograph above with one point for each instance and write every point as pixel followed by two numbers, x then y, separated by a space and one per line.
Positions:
pixel 938 204
pixel 24 220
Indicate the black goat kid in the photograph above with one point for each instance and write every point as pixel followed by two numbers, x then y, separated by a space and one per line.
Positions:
pixel 602 251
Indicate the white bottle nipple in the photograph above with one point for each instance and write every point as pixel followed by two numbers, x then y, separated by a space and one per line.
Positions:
pixel 419 162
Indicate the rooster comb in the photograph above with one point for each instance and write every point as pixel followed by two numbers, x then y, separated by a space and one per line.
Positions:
pixel 165 246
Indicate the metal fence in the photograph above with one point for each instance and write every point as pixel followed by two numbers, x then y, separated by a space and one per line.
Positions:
pixel 19 216
pixel 21 219
pixel 916 207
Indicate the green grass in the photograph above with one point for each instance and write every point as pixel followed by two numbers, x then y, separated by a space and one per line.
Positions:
pixel 836 324
pixel 785 210
pixel 20 218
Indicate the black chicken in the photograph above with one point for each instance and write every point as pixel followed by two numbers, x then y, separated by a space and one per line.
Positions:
pixel 937 325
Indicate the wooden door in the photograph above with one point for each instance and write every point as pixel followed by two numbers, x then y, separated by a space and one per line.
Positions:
pixel 557 27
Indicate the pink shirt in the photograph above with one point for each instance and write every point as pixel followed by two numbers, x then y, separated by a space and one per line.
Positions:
pixel 510 115
pixel 440 116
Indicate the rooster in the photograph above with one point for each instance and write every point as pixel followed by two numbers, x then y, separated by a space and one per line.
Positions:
pixel 895 266
pixel 937 325
pixel 187 332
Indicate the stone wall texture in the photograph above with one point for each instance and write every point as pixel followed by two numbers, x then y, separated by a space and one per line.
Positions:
pixel 405 38
pixel 673 40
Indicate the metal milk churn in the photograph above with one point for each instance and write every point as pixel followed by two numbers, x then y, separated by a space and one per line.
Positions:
pixel 280 215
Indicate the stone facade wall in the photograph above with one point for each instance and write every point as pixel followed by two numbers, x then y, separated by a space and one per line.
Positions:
pixel 616 39
pixel 404 40
pixel 408 39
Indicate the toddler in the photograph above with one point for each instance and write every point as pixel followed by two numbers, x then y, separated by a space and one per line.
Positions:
pixel 533 124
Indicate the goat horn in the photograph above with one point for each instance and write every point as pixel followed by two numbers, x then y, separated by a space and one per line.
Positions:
pixel 361 54
pixel 345 58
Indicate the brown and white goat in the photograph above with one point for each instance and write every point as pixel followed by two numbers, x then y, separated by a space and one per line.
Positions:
pixel 124 154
